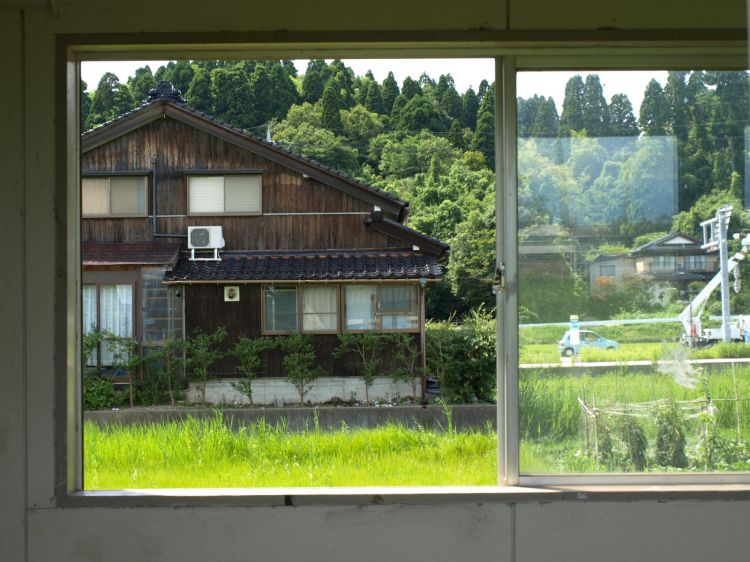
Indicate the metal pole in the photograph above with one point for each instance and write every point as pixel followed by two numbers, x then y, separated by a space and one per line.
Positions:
pixel 723 259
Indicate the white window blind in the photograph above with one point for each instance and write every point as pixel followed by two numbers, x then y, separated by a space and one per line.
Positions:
pixel 225 194
pixel 206 194
pixel 360 302
pixel 128 196
pixel 95 196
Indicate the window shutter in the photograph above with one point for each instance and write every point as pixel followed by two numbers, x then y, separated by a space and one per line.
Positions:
pixel 242 194
pixel 206 194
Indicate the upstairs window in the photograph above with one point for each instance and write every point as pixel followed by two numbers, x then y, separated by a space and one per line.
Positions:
pixel 225 195
pixel 109 196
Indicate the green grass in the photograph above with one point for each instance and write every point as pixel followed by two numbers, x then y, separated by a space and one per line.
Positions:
pixel 205 453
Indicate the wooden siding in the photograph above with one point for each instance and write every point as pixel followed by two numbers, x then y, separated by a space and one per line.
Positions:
pixel 179 147
pixel 205 309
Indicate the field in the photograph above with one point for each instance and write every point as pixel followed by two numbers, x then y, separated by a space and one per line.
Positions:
pixel 205 453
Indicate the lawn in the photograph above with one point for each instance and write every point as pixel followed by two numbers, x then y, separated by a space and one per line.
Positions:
pixel 207 454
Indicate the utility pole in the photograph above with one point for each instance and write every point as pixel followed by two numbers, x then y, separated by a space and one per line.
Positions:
pixel 715 236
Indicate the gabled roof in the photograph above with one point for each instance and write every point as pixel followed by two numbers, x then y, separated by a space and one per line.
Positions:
pixel 311 265
pixel 674 241
pixel 163 103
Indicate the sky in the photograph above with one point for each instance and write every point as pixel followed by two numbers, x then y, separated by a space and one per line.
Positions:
pixel 465 72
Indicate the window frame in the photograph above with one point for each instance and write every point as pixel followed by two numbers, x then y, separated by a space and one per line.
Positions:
pixel 378 314
pixel 142 174
pixel 224 174
pixel 651 53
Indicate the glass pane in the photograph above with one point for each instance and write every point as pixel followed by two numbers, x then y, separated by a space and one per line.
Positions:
pixel 157 310
pixel 620 302
pixel 281 309
pixel 94 196
pixel 359 306
pixel 206 194
pixel 398 307
pixel 115 314
pixel 319 308
pixel 242 194
pixel 88 317
pixel 128 195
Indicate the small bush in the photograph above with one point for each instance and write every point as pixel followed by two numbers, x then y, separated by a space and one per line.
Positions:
pixel 670 435
pixel 99 393
pixel 201 351
pixel 299 362
pixel 462 357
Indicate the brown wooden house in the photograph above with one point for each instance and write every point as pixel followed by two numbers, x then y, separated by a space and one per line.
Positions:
pixel 189 223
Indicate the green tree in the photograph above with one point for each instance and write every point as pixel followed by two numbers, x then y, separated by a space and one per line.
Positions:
pixel 410 88
pixel 366 350
pixel 373 99
pixel 572 118
pixel 419 114
pixel 85 104
pixel 654 113
pixel 141 83
pixel 166 360
pixel 312 85
pixel 232 100
pixel 469 109
pixel 390 93
pixel 360 126
pixel 201 352
pixel 299 362
pixel 180 75
pixel 111 99
pixel 199 93
pixel 283 91
pixel 595 111
pixel 317 144
pixel 472 262
pixel 332 103
pixel 484 135
pixel 622 120
pixel 247 351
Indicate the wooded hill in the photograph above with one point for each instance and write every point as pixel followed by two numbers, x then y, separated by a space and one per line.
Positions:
pixel 594 168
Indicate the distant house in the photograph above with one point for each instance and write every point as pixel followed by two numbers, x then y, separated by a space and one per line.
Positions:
pixel 189 223
pixel 674 260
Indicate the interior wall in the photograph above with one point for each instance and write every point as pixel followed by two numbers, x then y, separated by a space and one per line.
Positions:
pixel 33 527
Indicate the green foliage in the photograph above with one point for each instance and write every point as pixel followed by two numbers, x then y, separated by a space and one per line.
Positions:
pixel 125 357
pixel 462 357
pixel 705 208
pixel 202 351
pixel 141 83
pixel 199 94
pixel 366 351
pixel 670 435
pixel 407 356
pixel 633 437
pixel 317 144
pixel 110 100
pixel 571 118
pixel 299 362
pixel 99 393
pixel 247 352
pixel 164 365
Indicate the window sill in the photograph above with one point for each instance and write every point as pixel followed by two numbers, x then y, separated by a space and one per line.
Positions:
pixel 296 497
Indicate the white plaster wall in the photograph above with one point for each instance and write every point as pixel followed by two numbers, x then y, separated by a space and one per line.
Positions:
pixel 271 390
pixel 33 527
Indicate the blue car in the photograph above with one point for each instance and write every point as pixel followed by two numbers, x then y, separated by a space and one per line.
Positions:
pixel 587 339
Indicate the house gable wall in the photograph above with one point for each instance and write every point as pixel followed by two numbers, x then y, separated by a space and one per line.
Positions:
pixel 298 212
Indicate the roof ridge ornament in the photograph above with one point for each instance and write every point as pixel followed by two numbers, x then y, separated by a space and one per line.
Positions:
pixel 166 91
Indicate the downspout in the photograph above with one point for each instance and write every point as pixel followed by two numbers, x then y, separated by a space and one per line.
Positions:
pixel 155 234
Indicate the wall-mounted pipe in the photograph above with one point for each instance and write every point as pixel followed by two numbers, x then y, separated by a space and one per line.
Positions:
pixel 154 170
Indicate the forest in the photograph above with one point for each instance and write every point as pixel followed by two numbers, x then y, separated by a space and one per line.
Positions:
pixel 602 173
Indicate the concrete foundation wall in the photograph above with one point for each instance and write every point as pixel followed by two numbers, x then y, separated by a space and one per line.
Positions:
pixel 279 391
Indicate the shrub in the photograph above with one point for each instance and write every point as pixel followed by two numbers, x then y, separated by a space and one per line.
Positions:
pixel 201 351
pixel 463 357
pixel 99 393
pixel 366 348
pixel 247 351
pixel 670 435
pixel 633 437
pixel 407 359
pixel 299 362
pixel 164 365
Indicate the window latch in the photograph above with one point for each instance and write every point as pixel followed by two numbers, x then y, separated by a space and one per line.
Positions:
pixel 498 284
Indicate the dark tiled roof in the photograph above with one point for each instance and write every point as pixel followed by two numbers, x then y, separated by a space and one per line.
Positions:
pixel 129 254
pixel 308 266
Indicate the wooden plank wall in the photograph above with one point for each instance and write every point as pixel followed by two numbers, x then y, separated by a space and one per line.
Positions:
pixel 205 308
pixel 179 147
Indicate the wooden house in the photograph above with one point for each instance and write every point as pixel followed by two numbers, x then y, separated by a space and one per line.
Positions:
pixel 189 223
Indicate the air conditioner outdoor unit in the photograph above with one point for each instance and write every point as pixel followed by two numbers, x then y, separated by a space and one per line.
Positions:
pixel 205 238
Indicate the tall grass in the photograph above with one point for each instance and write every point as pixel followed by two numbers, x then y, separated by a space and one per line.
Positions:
pixel 207 453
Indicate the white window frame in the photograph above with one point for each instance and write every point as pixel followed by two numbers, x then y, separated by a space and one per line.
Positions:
pixel 69 455
pixel 224 212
